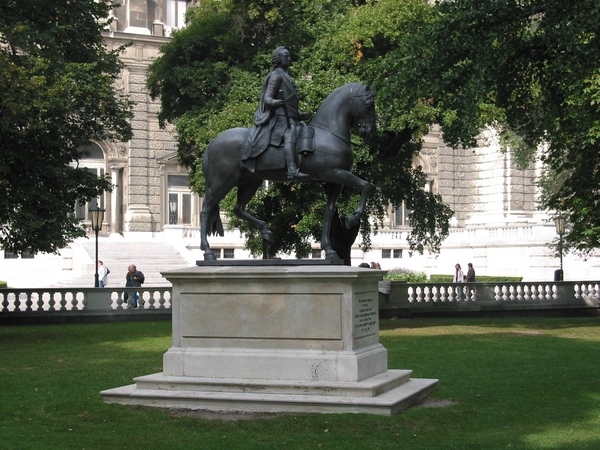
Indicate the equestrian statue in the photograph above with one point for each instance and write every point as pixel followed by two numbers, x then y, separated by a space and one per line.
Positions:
pixel 281 147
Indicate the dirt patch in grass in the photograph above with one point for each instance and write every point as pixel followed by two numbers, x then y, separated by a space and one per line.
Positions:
pixel 225 416
pixel 435 403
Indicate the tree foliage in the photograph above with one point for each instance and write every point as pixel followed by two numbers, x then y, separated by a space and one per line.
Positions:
pixel 531 70
pixel 209 76
pixel 56 79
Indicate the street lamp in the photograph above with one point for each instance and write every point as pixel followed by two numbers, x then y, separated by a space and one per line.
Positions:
pixel 172 212
pixel 97 216
pixel 559 223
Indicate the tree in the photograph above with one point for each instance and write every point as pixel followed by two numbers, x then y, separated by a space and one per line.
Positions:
pixel 56 79
pixel 529 69
pixel 209 78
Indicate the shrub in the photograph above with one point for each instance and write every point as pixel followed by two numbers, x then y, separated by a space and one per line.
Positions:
pixel 480 279
pixel 3 284
pixel 410 276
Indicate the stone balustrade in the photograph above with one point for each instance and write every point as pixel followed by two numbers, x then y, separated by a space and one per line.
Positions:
pixel 408 299
pixel 75 300
pixel 396 299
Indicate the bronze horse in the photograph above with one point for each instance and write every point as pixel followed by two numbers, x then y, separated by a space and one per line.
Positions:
pixel 330 162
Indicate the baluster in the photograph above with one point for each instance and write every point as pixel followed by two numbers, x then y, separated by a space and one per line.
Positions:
pixel 150 300
pixel 63 300
pixel 511 295
pixel 161 299
pixel 519 292
pixel 411 297
pixel 17 301
pixel 156 299
pixel 533 291
pixel 40 301
pixel 79 303
pixel 577 289
pixel 451 293
pixel 28 301
pixel 496 292
pixel 585 290
pixel 425 294
pixel 419 293
pixel 443 294
pixel 435 294
pixel 4 301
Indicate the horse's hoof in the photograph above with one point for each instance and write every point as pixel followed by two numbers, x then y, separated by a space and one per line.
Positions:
pixel 267 235
pixel 209 256
pixel 331 255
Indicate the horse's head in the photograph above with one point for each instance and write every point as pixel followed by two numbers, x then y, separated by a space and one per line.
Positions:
pixel 363 110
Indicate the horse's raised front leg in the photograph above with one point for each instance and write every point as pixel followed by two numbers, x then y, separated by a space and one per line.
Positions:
pixel 333 192
pixel 245 193
pixel 343 177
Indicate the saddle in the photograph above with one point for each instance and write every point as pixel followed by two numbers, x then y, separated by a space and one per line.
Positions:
pixel 272 158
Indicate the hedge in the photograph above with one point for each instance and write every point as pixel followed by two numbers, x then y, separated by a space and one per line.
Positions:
pixel 479 279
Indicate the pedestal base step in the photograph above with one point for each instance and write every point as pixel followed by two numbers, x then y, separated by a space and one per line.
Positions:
pixel 385 394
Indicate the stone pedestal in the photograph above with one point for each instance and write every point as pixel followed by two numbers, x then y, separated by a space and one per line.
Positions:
pixel 276 339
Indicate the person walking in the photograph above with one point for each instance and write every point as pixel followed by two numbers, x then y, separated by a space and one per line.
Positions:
pixel 134 278
pixel 470 274
pixel 102 274
pixel 459 277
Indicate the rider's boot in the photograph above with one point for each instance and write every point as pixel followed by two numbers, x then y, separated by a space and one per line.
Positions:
pixel 290 157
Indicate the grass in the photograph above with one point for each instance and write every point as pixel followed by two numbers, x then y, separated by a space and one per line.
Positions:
pixel 516 383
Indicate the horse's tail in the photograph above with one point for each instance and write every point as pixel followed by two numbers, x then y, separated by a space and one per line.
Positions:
pixel 215 226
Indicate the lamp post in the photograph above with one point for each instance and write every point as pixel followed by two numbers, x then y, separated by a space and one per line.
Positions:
pixel 559 223
pixel 97 216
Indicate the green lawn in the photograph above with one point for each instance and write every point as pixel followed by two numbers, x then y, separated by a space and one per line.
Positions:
pixel 517 384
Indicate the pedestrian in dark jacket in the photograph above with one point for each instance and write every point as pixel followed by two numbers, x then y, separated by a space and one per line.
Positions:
pixel 134 278
pixel 470 274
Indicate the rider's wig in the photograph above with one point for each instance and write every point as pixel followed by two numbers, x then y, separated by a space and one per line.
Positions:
pixel 277 54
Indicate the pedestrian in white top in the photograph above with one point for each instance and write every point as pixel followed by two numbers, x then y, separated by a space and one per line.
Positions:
pixel 102 274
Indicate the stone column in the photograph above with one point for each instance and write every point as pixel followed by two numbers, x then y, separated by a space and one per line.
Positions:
pixel 116 197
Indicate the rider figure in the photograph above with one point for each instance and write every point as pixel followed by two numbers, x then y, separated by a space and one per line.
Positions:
pixel 277 116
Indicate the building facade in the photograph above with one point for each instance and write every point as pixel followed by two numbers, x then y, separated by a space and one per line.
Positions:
pixel 496 226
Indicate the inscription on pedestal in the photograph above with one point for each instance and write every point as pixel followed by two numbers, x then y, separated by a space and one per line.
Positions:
pixel 365 318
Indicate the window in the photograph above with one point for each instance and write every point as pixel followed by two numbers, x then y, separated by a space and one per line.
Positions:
pixel 224 253
pixel 25 254
pixel 402 216
pixel 176 13
pixel 92 159
pixel 179 198
pixel 388 253
pixel 8 254
pixel 317 254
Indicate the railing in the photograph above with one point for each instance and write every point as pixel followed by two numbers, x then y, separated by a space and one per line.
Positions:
pixel 412 297
pixel 490 296
pixel 72 300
